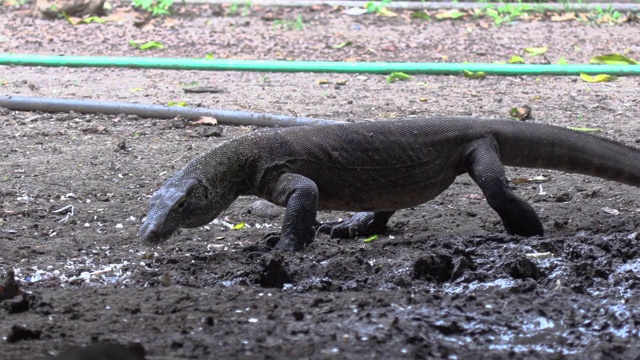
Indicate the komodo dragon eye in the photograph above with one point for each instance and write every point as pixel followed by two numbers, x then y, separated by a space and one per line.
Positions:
pixel 180 204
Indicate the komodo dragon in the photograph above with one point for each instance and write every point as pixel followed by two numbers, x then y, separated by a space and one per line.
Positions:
pixel 377 168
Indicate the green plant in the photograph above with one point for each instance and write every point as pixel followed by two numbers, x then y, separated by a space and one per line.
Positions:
pixel 146 46
pixel 155 7
pixel 16 3
pixel 377 6
pixel 397 76
pixel 238 7
pixel 609 14
pixel 506 13
pixel 289 25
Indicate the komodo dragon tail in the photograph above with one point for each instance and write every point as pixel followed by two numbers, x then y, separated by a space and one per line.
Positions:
pixel 557 148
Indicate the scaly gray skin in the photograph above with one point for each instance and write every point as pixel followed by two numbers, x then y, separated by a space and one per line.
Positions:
pixel 377 168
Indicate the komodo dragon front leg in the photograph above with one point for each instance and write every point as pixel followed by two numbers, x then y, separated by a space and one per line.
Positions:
pixel 300 197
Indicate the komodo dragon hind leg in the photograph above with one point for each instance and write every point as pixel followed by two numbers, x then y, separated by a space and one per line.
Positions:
pixel 485 167
pixel 362 223
pixel 300 197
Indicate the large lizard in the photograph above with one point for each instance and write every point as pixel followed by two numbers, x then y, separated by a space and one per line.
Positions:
pixel 377 168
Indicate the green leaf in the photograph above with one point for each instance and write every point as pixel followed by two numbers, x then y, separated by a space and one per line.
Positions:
pixel 421 15
pixel 516 59
pixel 395 76
pixel 91 19
pixel 209 57
pixel 474 75
pixel 596 79
pixel 534 51
pixel 383 11
pixel 612 59
pixel 370 239
pixel 151 45
pixel 341 45
pixel 146 46
pixel 239 226
pixel 562 61
pixel 584 129
pixel 176 103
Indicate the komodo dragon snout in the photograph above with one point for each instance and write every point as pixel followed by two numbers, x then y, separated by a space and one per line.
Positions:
pixel 180 202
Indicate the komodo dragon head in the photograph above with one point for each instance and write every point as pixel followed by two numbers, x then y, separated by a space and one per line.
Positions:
pixel 182 201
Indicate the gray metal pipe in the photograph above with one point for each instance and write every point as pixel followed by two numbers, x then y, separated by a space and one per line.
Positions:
pixel 24 103
pixel 430 5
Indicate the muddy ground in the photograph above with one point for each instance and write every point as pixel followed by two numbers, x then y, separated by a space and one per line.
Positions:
pixel 444 281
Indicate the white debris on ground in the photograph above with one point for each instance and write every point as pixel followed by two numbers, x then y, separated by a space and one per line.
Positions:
pixel 88 269
pixel 96 274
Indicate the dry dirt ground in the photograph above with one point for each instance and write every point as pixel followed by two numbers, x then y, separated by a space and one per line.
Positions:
pixel 444 281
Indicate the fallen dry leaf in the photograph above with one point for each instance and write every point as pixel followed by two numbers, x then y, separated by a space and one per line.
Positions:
pixel 205 120
pixel 564 17
pixel 522 113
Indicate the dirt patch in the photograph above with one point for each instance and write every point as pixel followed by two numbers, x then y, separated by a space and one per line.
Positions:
pixel 444 280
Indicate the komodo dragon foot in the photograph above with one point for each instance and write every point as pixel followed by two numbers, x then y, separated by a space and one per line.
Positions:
pixel 362 223
pixel 274 240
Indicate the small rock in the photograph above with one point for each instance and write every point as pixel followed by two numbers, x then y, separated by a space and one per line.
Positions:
pixel 20 333
pixel 122 146
pixel 438 267
pixel 209 131
pixel 103 351
pixel 298 315
pixel 10 289
pixel 523 268
pixel 165 279
pixel 264 209
pixel 402 282
pixel 274 273
pixel 52 8
pixel 174 124
pixel 564 197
